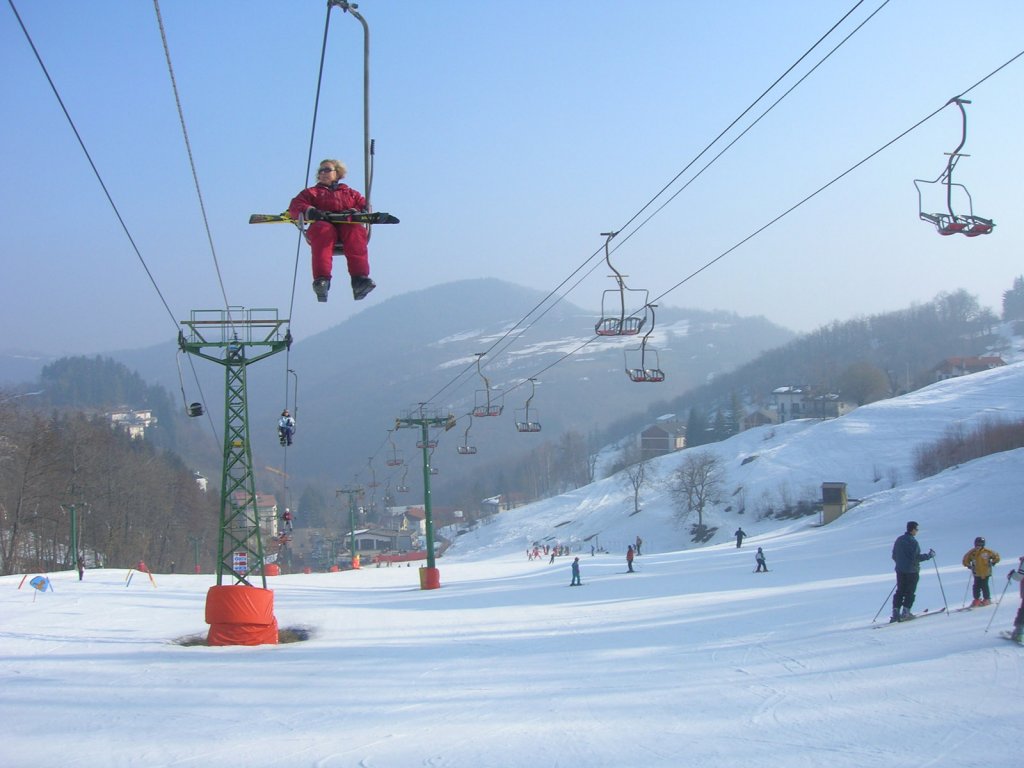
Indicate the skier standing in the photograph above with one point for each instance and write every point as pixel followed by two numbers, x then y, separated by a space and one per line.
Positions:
pixel 980 560
pixel 576 574
pixel 629 558
pixel 761 564
pixel 906 553
pixel 740 535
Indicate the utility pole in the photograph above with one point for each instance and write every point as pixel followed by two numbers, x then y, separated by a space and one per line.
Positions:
pixel 352 492
pixel 195 550
pixel 230 337
pixel 429 577
pixel 72 510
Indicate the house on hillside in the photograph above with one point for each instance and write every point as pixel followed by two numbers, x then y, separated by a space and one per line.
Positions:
pixel 758 418
pixel 952 367
pixel 804 402
pixel 661 439
pixel 266 510
pixel 404 518
pixel 370 541
pixel 789 401
pixel 131 421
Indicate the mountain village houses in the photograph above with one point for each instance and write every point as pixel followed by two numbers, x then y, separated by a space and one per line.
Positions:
pixel 134 423
pixel 795 402
pixel 952 367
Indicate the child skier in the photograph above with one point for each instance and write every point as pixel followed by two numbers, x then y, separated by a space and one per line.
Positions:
pixel 980 560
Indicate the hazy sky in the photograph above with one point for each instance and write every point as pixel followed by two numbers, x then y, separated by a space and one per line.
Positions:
pixel 508 137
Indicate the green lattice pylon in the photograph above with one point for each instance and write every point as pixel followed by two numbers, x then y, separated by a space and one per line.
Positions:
pixel 233 334
pixel 424 420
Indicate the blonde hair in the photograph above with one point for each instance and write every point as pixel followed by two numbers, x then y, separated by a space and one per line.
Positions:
pixel 337 165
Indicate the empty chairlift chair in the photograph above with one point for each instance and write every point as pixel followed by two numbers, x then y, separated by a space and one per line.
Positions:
pixel 482 406
pixel 642 363
pixel 525 421
pixel 953 220
pixel 620 306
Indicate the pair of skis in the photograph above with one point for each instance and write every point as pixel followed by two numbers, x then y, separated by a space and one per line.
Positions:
pixel 352 217
pixel 922 615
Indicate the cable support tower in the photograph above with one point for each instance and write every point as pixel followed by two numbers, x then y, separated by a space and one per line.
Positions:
pixel 426 419
pixel 230 342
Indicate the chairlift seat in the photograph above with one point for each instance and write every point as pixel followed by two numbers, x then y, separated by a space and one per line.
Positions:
pixel 528 426
pixel 979 226
pixel 952 228
pixel 394 462
pixel 614 326
pixel 195 409
pixel 466 450
pixel 429 444
pixel 482 411
pixel 640 375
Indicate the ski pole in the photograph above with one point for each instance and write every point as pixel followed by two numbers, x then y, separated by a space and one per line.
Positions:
pixel 884 603
pixel 970 578
pixel 943 591
pixel 998 603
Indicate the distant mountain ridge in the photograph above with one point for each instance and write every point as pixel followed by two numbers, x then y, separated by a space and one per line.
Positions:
pixel 355 379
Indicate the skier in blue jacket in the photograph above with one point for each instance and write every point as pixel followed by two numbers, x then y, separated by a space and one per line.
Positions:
pixel 906 553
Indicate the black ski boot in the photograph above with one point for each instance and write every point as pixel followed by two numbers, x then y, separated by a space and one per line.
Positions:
pixel 361 286
pixel 320 287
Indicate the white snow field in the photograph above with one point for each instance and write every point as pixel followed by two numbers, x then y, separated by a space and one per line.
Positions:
pixel 694 660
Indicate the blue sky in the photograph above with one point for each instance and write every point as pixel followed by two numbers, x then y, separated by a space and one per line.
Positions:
pixel 508 137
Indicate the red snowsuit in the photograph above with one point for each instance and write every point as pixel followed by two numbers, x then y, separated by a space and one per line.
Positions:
pixel 322 235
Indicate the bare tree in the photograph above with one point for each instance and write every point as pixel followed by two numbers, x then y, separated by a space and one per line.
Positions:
pixel 636 475
pixel 697 483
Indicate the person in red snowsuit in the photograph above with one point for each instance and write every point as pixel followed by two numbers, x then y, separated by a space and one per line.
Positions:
pixel 329 195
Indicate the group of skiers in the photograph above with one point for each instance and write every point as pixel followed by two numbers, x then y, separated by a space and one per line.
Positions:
pixel 907 555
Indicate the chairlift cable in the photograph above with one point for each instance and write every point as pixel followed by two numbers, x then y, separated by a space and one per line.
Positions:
pixel 755 101
pixel 103 186
pixel 191 158
pixel 600 250
pixel 835 179
pixel 95 170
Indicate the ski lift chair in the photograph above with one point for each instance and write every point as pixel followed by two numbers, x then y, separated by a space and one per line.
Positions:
pixel 949 222
pixel 615 321
pixel 466 449
pixel 482 405
pixel 642 363
pixel 523 421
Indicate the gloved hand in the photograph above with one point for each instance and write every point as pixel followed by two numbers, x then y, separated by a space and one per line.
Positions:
pixel 931 553
pixel 315 214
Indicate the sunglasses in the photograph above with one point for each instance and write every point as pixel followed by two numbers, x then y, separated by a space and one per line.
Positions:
pixel 324 170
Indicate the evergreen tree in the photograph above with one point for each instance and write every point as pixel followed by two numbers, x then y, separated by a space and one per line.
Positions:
pixel 1013 301
pixel 696 428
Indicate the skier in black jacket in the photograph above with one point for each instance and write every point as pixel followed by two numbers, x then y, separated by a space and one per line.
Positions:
pixel 906 553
